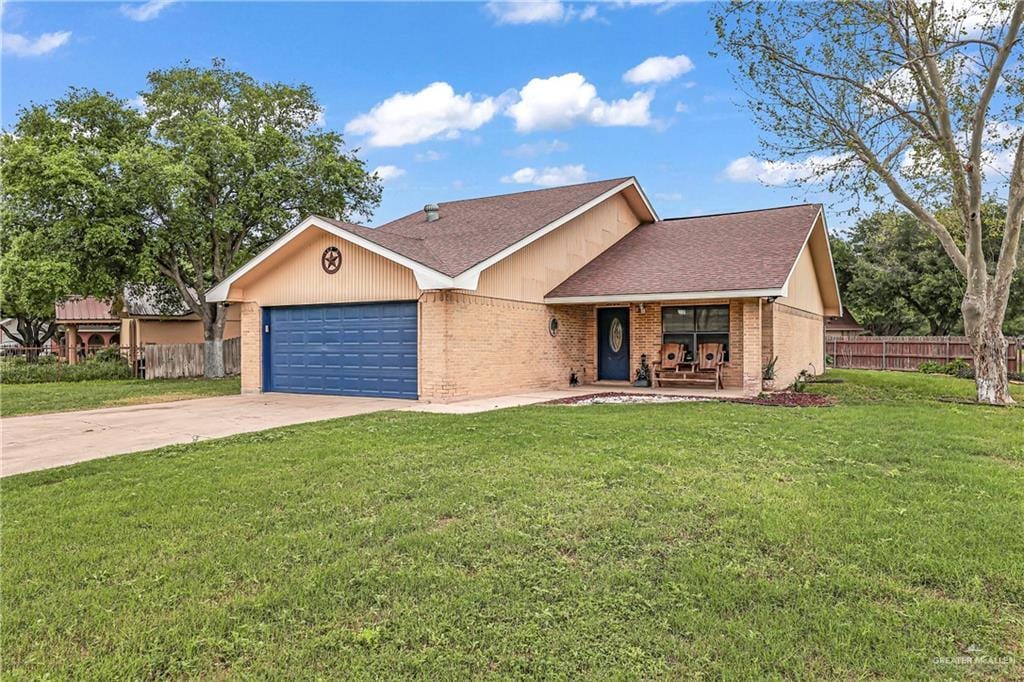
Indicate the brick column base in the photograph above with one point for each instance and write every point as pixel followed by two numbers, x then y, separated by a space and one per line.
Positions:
pixel 751 346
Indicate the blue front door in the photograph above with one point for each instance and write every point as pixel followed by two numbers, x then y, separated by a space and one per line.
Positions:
pixel 360 350
pixel 613 343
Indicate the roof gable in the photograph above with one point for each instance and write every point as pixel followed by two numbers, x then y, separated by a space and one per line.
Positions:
pixel 751 253
pixel 470 235
pixel 472 230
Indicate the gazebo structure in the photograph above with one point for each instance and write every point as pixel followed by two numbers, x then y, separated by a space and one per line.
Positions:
pixel 89 325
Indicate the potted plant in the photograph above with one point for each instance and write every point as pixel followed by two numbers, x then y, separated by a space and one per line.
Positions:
pixel 643 373
pixel 768 375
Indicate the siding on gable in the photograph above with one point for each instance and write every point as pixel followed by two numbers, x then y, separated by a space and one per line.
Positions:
pixel 294 276
pixel 804 290
pixel 533 271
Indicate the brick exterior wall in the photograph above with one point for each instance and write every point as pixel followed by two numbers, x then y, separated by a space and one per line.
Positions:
pixel 473 346
pixel 252 351
pixel 744 333
pixel 767 333
pixel 798 338
pixel 750 311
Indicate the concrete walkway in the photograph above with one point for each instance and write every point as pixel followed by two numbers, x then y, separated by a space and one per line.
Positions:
pixel 45 441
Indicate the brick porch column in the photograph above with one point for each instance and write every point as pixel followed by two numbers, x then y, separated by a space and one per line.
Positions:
pixel 251 327
pixel 751 346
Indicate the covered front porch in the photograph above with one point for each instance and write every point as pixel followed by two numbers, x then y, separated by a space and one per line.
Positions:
pixel 621 335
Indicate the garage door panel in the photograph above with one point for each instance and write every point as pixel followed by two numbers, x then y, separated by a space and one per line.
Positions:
pixel 364 349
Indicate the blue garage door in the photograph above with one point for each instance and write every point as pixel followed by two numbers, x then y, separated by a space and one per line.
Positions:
pixel 361 350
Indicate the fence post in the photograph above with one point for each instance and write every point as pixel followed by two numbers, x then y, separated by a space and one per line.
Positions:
pixel 885 363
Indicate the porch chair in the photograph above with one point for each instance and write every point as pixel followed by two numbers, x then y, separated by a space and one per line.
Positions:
pixel 710 358
pixel 670 365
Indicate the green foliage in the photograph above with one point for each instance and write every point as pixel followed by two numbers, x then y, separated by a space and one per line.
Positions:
pixel 957 367
pixel 895 278
pixel 68 221
pixel 799 384
pixel 768 372
pixel 707 540
pixel 15 370
pixel 230 165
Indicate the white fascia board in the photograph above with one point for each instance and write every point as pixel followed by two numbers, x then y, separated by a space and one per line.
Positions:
pixel 473 273
pixel 677 296
pixel 426 278
pixel 832 263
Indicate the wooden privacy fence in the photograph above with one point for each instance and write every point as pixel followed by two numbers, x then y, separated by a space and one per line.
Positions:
pixel 906 353
pixel 176 360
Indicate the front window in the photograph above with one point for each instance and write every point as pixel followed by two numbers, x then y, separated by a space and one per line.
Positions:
pixel 694 325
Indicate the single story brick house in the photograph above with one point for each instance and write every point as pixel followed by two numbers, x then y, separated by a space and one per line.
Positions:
pixel 507 293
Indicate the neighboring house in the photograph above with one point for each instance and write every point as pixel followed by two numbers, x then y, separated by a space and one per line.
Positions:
pixel 509 293
pixel 844 325
pixel 95 323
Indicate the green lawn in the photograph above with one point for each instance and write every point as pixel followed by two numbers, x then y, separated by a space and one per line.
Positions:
pixel 867 540
pixel 61 396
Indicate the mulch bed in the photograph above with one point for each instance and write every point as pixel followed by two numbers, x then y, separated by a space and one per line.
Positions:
pixel 788 399
pixel 610 397
pixel 779 399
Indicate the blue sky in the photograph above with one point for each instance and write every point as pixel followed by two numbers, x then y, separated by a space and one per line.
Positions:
pixel 497 98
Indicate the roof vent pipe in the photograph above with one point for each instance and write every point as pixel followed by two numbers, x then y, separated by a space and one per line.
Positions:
pixel 432 212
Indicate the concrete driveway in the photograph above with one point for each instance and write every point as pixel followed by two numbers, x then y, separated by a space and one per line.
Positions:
pixel 50 440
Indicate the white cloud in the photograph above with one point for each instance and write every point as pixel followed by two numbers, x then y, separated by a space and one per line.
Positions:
pixel 589 12
pixel 814 167
pixel 145 11
pixel 21 46
pixel 435 111
pixel 429 155
pixel 529 150
pixel 669 196
pixel 682 108
pixel 659 69
pixel 561 101
pixel 388 172
pixel 548 177
pixel 543 11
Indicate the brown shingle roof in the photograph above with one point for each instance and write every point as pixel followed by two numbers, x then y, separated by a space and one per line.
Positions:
pixel 472 230
pixel 845 322
pixel 727 252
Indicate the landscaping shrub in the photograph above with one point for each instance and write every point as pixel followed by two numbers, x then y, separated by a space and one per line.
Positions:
pixel 958 367
pixel 106 364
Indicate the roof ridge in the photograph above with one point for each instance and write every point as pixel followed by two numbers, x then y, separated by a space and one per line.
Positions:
pixel 523 191
pixel 749 210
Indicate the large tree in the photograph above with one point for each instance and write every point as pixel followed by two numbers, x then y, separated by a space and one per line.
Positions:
pixel 231 164
pixel 898 280
pixel 68 220
pixel 917 102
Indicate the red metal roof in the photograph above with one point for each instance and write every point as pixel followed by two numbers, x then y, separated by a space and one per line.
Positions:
pixel 728 252
pixel 84 309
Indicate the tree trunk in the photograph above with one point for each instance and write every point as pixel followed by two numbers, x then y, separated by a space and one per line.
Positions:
pixel 989 347
pixel 213 334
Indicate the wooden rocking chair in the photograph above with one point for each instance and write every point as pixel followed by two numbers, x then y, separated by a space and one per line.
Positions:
pixel 670 366
pixel 710 358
